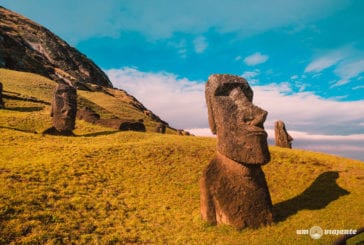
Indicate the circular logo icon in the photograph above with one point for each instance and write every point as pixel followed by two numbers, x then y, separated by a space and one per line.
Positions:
pixel 316 232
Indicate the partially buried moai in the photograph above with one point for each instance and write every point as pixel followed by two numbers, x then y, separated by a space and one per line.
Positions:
pixel 233 186
pixel 64 109
pixel 2 105
pixel 283 139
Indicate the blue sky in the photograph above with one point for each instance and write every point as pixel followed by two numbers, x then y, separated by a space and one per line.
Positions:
pixel 304 59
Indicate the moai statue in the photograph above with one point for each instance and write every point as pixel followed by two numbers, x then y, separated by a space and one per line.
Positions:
pixel 160 128
pixel 233 186
pixel 2 105
pixel 283 139
pixel 64 109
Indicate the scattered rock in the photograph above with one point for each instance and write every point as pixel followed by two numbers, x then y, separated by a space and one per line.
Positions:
pixel 88 115
pixel 122 125
pixel 160 128
pixel 2 105
pixel 233 186
pixel 283 139
pixel 64 108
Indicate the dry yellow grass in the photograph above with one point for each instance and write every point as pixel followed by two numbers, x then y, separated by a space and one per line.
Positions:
pixel 109 187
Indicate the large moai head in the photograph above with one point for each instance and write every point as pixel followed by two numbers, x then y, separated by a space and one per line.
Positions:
pixel 237 123
pixel 283 139
pixel 64 107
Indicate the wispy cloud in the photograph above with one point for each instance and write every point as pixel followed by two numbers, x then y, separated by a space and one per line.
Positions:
pixel 347 63
pixel 325 61
pixel 200 44
pixel 256 59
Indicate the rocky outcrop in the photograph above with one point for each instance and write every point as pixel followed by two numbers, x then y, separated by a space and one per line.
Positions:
pixel 122 125
pixel 64 109
pixel 283 139
pixel 233 186
pixel 88 115
pixel 27 46
pixel 160 128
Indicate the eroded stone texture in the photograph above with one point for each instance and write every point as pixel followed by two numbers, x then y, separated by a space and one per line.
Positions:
pixel 2 105
pixel 283 139
pixel 234 194
pixel 160 128
pixel 88 115
pixel 122 125
pixel 236 121
pixel 233 186
pixel 64 108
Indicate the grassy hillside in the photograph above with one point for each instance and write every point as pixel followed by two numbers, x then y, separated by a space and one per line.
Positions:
pixel 33 94
pixel 109 187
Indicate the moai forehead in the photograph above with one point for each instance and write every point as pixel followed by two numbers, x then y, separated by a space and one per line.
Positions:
pixel 237 122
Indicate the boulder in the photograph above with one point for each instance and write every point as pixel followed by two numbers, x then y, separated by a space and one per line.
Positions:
pixel 160 128
pixel 233 186
pixel 122 125
pixel 283 139
pixel 88 115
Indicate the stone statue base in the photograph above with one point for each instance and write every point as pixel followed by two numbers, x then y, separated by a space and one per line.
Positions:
pixel 235 194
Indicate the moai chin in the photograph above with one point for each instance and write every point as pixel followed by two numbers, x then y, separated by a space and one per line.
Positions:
pixel 283 139
pixel 64 109
pixel 233 186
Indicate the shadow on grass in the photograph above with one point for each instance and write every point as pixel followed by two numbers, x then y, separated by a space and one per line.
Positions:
pixel 25 109
pixel 318 195
pixel 98 134
pixel 20 130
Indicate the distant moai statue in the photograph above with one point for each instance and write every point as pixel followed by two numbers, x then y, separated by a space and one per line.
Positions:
pixel 233 186
pixel 283 139
pixel 160 128
pixel 64 109
pixel 2 104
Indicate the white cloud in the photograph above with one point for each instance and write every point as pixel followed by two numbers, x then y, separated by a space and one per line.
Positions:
pixel 307 112
pixel 181 102
pixel 348 70
pixel 348 63
pixel 178 101
pixel 325 61
pixel 255 59
pixel 200 44
pixel 250 74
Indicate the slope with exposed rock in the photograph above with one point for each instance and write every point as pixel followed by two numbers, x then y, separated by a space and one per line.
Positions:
pixel 28 46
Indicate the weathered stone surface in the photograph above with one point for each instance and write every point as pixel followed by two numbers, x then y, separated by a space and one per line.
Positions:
pixel 88 115
pixel 235 194
pixel 236 121
pixel 28 46
pixel 160 128
pixel 64 108
pixel 283 139
pixel 2 105
pixel 233 186
pixel 122 125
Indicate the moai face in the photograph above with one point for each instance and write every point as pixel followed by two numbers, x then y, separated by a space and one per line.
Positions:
pixel 236 121
pixel 64 107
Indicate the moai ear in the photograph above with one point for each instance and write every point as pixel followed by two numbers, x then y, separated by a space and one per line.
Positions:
pixel 209 94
